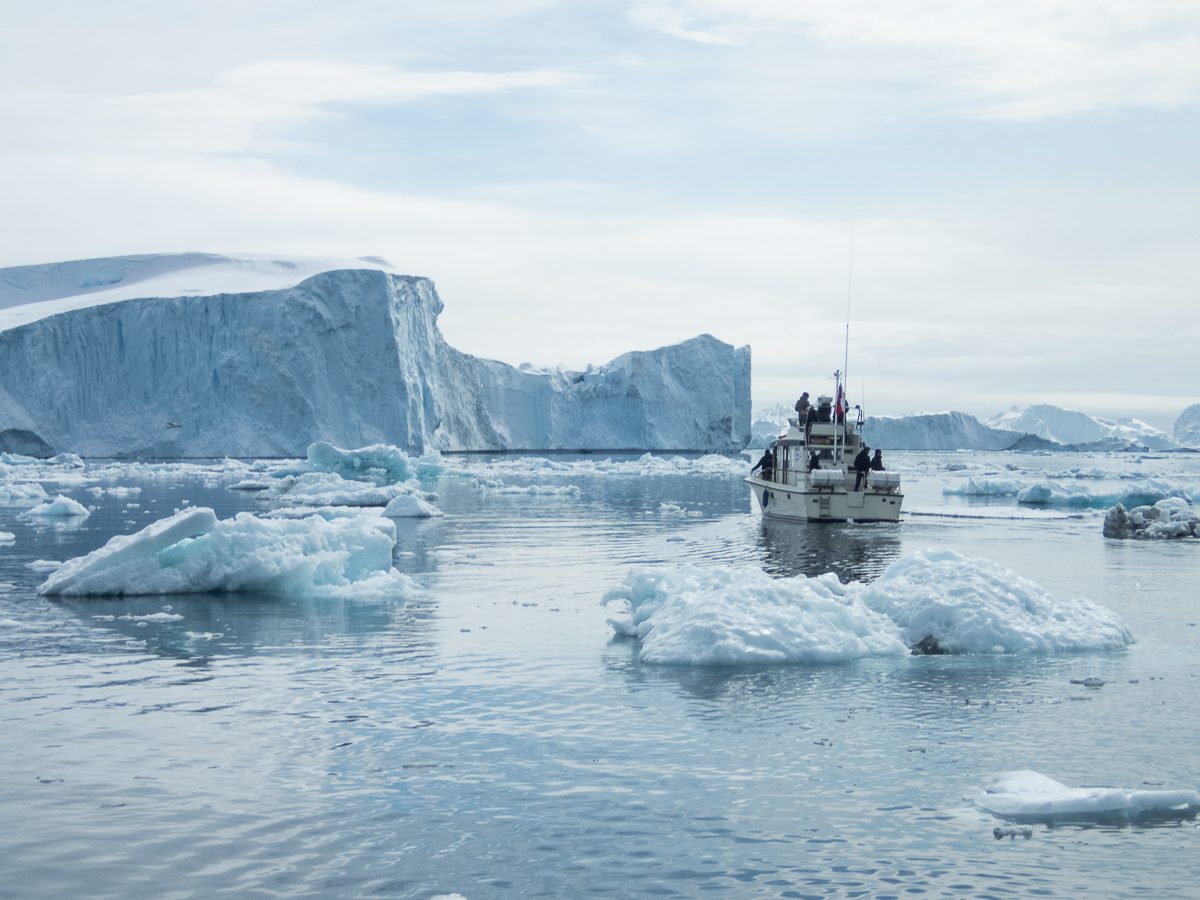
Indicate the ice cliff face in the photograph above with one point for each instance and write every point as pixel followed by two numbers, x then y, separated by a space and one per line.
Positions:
pixel 350 356
pixel 934 431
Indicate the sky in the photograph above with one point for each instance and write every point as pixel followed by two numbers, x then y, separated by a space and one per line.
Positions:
pixel 998 202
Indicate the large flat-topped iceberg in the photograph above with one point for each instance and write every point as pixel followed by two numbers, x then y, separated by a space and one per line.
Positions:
pixel 198 355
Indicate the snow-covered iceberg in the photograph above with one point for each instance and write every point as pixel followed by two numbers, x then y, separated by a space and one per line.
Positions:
pixel 936 601
pixel 1031 796
pixel 195 355
pixel 1072 427
pixel 193 552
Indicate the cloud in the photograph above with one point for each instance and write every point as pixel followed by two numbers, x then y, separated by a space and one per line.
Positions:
pixel 250 108
pixel 998 59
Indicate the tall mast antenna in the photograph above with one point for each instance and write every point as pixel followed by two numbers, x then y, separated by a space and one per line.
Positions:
pixel 849 286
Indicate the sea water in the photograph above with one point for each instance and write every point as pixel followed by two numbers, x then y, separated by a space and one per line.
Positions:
pixel 493 737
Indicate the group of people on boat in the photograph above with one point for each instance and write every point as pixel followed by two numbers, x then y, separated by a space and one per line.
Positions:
pixel 807 414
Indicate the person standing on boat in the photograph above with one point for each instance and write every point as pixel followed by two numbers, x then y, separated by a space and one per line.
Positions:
pixel 802 408
pixel 862 465
pixel 877 461
pixel 814 461
pixel 767 464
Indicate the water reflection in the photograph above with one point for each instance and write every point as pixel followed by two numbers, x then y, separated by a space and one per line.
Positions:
pixel 852 551
pixel 198 627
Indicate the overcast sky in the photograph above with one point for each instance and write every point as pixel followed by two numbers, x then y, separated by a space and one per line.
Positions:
pixel 1022 178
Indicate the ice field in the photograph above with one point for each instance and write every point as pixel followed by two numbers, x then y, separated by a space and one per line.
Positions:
pixel 592 674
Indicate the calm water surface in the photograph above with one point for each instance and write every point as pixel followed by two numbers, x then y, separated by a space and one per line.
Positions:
pixel 493 739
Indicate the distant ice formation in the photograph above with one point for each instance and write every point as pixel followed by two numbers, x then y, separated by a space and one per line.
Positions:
pixel 1069 426
pixel 934 431
pixel 263 356
pixel 60 507
pixel 1031 796
pixel 193 552
pixel 937 601
pixel 1187 427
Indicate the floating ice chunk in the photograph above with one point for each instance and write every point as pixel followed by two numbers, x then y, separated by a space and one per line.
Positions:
pixel 987 487
pixel 1030 795
pixel 192 552
pixel 329 489
pixel 13 493
pixel 250 484
pixel 410 506
pixel 938 600
pixel 61 506
pixel 390 464
pixel 43 565
pixel 724 616
pixel 671 509
pixel 1145 491
pixel 978 606
pixel 154 617
pixel 1170 518
pixel 7 537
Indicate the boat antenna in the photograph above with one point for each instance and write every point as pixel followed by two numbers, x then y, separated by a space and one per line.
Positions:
pixel 849 286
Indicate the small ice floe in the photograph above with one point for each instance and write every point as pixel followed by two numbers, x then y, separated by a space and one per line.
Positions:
pixel 1030 796
pixel 17 493
pixel 1089 682
pixel 671 509
pixel 62 507
pixel 7 537
pixel 933 602
pixel 153 617
pixel 329 489
pixel 250 484
pixel 43 565
pixel 193 552
pixel 1173 517
pixel 410 506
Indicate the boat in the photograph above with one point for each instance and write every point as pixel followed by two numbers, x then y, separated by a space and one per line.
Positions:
pixel 787 487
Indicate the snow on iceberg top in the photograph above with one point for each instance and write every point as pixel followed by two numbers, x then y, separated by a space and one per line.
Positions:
pixel 30 293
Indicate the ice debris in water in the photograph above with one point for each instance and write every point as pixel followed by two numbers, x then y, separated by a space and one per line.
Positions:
pixel 193 552
pixel 390 464
pixel 15 493
pixel 1031 795
pixel 61 506
pixel 410 506
pixel 687 615
pixel 1170 518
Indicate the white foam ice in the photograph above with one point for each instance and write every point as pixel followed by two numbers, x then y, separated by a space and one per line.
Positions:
pixel 1030 795
pixel 61 506
pixel 193 552
pixel 736 616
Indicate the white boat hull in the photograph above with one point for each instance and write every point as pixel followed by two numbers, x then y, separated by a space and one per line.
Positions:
pixel 803 504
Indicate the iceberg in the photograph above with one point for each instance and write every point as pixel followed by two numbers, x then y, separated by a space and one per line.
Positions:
pixel 61 506
pixel 1187 427
pixel 1031 796
pixel 934 431
pixel 933 602
pixel 1072 427
pixel 193 552
pixel 197 355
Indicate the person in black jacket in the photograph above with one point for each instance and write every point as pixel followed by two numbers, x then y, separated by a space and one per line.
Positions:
pixel 862 465
pixel 877 461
